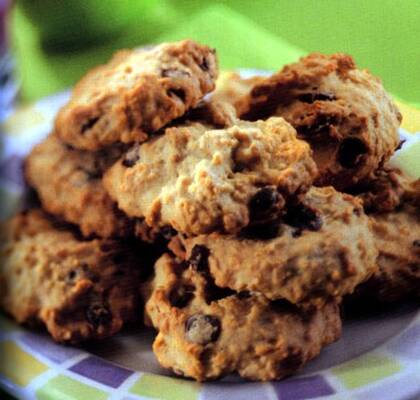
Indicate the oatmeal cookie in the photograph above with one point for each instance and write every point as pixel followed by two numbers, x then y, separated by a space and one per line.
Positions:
pixel 136 94
pixel 206 332
pixel 320 248
pixel 397 237
pixel 211 112
pixel 198 179
pixel 343 112
pixel 69 185
pixel 79 289
pixel 385 189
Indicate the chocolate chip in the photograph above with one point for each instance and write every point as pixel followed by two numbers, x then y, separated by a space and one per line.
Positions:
pixel 89 124
pixel 290 272
pixel 282 306
pixel 215 293
pixel 244 295
pixel 204 64
pixel 181 296
pixel 416 243
pixel 264 203
pixel 357 211
pixel 264 231
pixel 312 97
pixel 239 167
pixel 293 360
pixel 84 267
pixel 167 232
pixel 131 157
pixel 302 218
pixel 98 314
pixel 82 271
pixel 183 265
pixel 71 275
pixel 179 268
pixel 202 329
pixel 178 93
pixel 69 147
pixel 199 258
pixel 320 127
pixel 297 233
pixel 93 174
pixel 265 198
pixel 351 152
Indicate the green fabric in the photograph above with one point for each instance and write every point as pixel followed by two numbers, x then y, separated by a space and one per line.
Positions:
pixel 381 34
pixel 244 52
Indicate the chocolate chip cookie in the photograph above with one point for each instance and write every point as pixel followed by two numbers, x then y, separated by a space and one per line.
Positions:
pixel 212 112
pixel 397 236
pixel 136 94
pixel 206 332
pixel 395 213
pixel 79 289
pixel 343 112
pixel 198 179
pixel 68 183
pixel 385 189
pixel 320 248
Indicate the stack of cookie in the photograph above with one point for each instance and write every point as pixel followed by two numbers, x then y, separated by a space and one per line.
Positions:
pixel 267 201
pixel 76 265
pixel 351 123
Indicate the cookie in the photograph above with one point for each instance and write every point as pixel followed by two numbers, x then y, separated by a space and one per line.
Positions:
pixel 212 112
pixel 205 332
pixel 198 179
pixel 79 289
pixel 385 190
pixel 233 89
pixel 343 112
pixel 320 248
pixel 69 185
pixel 397 237
pixel 136 93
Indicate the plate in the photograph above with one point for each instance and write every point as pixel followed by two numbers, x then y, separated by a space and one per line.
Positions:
pixel 378 356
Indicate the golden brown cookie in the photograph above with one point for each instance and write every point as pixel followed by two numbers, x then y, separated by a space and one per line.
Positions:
pixel 210 112
pixel 79 289
pixel 320 248
pixel 385 189
pixel 136 94
pixel 206 332
pixel 395 214
pixel 68 183
pixel 343 112
pixel 397 236
pixel 198 179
